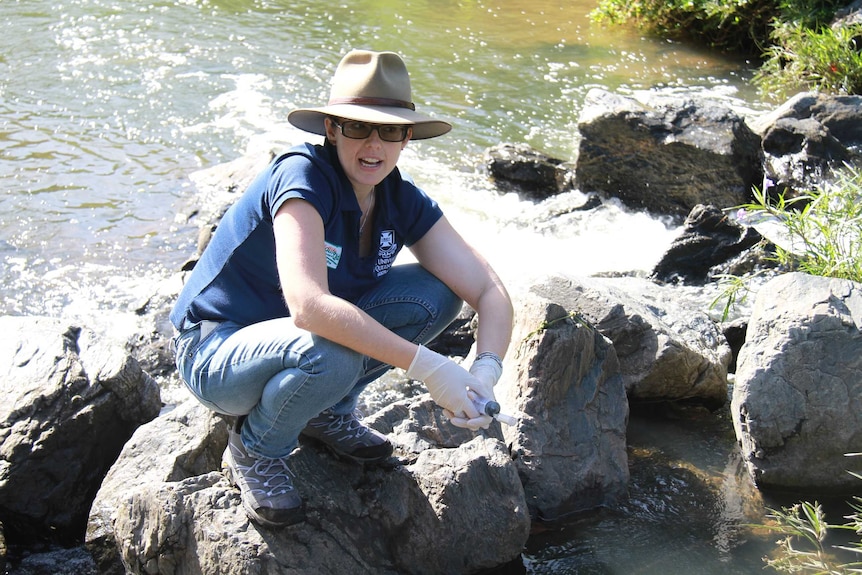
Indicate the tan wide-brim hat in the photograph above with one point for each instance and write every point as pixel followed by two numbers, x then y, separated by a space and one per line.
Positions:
pixel 370 87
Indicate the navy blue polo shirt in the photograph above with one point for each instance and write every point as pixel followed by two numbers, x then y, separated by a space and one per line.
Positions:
pixel 236 277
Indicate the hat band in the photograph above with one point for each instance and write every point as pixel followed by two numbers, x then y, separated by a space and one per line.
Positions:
pixel 360 101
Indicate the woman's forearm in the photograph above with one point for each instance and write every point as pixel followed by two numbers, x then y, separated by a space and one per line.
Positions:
pixel 340 321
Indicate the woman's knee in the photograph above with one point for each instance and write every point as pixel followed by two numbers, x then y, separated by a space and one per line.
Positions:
pixel 332 361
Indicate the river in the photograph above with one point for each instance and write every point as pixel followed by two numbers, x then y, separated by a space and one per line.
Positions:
pixel 107 107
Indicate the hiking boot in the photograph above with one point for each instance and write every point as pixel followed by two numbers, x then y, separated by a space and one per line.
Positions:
pixel 265 486
pixel 346 436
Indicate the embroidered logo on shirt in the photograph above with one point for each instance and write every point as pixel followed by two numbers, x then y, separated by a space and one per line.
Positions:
pixel 386 253
pixel 333 255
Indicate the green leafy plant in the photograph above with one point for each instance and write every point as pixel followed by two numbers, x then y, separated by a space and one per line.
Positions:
pixel 804 528
pixel 729 25
pixel 825 59
pixel 822 228
pixel 818 232
pixel 735 289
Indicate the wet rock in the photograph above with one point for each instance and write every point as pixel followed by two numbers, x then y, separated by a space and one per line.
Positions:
pixel 709 238
pixel 69 404
pixel 520 168
pixel 458 337
pixel 798 395
pixel 806 138
pixel 666 154
pixel 73 561
pixel 667 350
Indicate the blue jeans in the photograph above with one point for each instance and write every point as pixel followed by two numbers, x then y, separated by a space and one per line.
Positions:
pixel 280 376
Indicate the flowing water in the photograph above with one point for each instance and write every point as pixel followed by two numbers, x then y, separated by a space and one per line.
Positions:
pixel 107 107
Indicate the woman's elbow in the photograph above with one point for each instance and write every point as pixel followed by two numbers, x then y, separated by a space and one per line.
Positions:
pixel 302 311
pixel 313 311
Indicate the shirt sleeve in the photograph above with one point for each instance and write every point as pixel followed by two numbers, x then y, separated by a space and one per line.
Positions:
pixel 301 174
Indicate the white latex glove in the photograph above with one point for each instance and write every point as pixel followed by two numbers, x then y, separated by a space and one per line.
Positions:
pixel 448 383
pixel 487 372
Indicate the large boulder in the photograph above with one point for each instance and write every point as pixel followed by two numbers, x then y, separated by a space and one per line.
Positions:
pixel 70 402
pixel 452 503
pixel 563 379
pixel 668 348
pixel 666 154
pixel 797 402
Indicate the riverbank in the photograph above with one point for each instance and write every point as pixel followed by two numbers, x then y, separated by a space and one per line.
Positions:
pixel 798 45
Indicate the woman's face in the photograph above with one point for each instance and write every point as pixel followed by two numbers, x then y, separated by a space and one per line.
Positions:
pixel 368 160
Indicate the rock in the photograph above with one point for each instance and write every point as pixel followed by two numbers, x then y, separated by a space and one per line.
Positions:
pixel 532 174
pixel 850 15
pixel 458 337
pixel 220 186
pixel 806 138
pixel 798 396
pixel 709 238
pixel 734 332
pixel 69 404
pixel 74 561
pixel 667 350
pixel 441 509
pixel 563 379
pixel 184 443
pixel 667 154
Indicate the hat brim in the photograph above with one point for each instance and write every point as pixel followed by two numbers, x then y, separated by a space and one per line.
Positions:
pixel 311 119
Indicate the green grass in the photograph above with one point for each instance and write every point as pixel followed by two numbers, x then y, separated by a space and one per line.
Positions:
pixel 824 227
pixel 827 60
pixel 802 548
pixel 818 233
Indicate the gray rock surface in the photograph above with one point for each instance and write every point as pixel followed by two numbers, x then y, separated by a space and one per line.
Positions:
pixel 441 509
pixel 797 402
pixel 667 350
pixel 69 404
pixel 563 379
pixel 807 137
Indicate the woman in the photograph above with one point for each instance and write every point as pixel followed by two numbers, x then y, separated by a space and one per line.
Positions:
pixel 295 307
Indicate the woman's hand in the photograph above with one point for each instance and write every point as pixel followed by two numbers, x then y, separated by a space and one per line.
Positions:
pixel 449 384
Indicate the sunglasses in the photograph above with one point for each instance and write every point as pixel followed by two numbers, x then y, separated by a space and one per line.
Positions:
pixel 361 130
